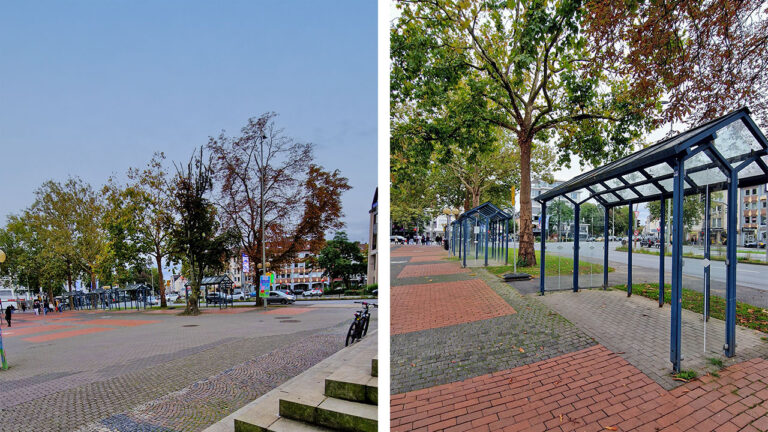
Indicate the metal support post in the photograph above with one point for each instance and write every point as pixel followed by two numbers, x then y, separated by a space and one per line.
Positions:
pixel 486 231
pixel 662 244
pixel 506 241
pixel 730 267
pixel 576 235
pixel 675 355
pixel 707 221
pixel 630 231
pixel 542 254
pixel 465 239
pixel 605 250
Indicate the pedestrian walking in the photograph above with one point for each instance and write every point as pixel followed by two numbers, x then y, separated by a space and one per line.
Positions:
pixel 23 306
pixel 36 306
pixel 8 311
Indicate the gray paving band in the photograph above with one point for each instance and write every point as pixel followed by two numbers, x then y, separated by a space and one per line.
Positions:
pixel 439 356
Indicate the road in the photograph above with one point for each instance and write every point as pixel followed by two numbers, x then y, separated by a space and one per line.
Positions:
pixel 751 275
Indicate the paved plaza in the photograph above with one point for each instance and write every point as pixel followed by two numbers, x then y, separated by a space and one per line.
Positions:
pixel 595 360
pixel 155 370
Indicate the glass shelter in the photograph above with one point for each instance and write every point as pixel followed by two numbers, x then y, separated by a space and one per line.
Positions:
pixel 724 154
pixel 481 233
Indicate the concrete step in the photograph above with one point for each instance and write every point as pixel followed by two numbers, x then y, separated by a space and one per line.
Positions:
pixel 263 414
pixel 375 366
pixel 337 414
pixel 352 381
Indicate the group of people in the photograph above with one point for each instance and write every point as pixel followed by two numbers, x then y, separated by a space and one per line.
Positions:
pixel 40 306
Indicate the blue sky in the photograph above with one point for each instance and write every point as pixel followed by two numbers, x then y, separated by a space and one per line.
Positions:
pixel 90 88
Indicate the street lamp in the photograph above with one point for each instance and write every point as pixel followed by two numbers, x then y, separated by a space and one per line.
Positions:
pixel 2 352
pixel 448 212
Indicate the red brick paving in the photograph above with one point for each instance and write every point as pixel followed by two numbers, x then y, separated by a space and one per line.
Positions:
pixel 426 258
pixel 67 334
pixel 287 311
pixel 431 270
pixel 119 323
pixel 426 306
pixel 13 331
pixel 592 390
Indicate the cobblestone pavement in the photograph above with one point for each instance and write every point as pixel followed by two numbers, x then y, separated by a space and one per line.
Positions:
pixel 420 307
pixel 426 358
pixel 98 380
pixel 638 329
pixel 588 390
pixel 430 269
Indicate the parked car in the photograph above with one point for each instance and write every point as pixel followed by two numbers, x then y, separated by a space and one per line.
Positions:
pixel 214 297
pixel 280 297
pixel 313 293
pixel 761 245
pixel 171 297
pixel 648 242
pixel 397 239
pixel 152 300
pixel 238 295
pixel 750 243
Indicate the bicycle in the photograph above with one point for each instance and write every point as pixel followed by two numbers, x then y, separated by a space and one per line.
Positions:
pixel 359 326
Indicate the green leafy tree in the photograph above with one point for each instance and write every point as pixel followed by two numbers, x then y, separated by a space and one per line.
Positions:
pixel 196 235
pixel 522 66
pixel 559 213
pixel 342 258
pixel 593 215
pixel 693 210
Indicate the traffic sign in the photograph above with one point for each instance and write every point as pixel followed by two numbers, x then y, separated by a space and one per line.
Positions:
pixel 636 233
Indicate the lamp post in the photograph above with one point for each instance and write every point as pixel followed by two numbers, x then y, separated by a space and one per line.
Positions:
pixel 2 352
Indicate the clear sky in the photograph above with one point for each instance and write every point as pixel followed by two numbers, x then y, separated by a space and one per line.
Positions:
pixel 90 88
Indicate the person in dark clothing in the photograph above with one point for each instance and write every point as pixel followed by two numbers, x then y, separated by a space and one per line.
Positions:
pixel 8 311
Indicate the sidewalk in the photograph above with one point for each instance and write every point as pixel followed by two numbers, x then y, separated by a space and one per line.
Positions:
pixel 469 352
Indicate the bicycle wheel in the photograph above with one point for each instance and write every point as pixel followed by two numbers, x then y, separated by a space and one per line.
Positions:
pixel 351 333
pixel 365 326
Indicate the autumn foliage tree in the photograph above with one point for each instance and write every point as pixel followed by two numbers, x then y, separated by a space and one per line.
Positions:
pixel 265 178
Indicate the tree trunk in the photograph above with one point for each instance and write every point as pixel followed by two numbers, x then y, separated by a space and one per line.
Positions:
pixel 526 255
pixel 159 261
pixel 475 198
pixel 194 295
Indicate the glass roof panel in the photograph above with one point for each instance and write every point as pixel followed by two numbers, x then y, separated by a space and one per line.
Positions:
pixel 751 170
pixel 712 175
pixel 634 177
pixel 659 170
pixel 697 160
pixel 609 197
pixel 666 184
pixel 735 139
pixel 627 194
pixel 614 183
pixel 597 187
pixel 648 189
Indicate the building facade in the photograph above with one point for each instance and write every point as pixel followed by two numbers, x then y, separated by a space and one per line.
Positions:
pixel 373 231
pixel 752 215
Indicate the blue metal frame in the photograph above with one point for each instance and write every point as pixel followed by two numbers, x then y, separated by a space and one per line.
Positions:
pixel 576 235
pixel 677 264
pixel 707 270
pixel 730 267
pixel 486 230
pixel 542 255
pixel 605 249
pixel 662 244
pixel 630 231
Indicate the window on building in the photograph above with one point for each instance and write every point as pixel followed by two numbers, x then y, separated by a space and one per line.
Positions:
pixel 754 191
pixel 747 192
pixel 746 220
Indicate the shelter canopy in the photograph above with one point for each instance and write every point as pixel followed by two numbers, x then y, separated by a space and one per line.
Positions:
pixel 647 175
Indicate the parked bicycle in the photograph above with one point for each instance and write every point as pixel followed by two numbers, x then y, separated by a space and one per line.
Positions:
pixel 359 326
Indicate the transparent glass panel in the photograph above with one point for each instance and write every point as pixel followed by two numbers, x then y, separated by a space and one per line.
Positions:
pixel 666 184
pixel 609 197
pixel 697 160
pixel 712 175
pixel 735 139
pixel 597 187
pixel 627 194
pixel 751 170
pixel 614 183
pixel 634 177
pixel 659 170
pixel 648 189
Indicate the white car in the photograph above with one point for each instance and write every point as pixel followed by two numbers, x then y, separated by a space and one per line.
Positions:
pixel 171 297
pixel 313 293
pixel 238 295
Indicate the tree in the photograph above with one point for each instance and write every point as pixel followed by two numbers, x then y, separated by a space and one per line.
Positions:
pixel 693 209
pixel 706 57
pixel 559 212
pixel 271 193
pixel 526 68
pixel 342 258
pixel 151 191
pixel 593 215
pixel 196 235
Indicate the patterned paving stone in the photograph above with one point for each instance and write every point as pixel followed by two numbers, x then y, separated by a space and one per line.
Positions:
pixel 421 307
pixel 591 389
pixel 640 330
pixel 411 271
pixel 443 355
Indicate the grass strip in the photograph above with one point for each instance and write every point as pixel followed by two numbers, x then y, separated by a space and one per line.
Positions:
pixel 553 268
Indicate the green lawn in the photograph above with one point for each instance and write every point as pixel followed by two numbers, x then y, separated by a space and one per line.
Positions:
pixel 690 255
pixel 565 267
pixel 747 315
